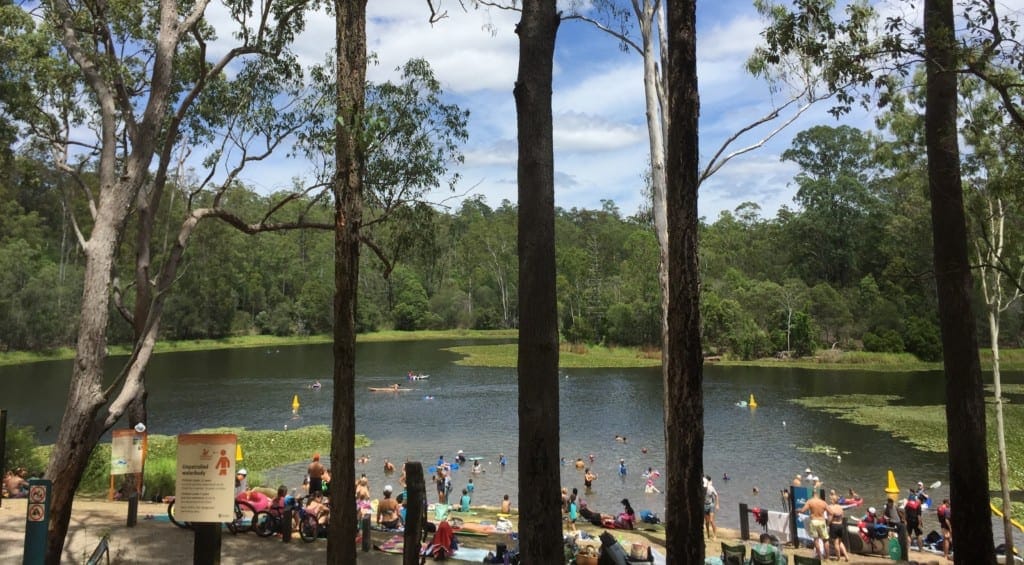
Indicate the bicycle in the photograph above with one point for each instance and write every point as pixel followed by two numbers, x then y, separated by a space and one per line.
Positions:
pixel 243 521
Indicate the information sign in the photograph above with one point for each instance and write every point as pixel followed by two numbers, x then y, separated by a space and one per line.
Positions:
pixel 205 487
pixel 126 452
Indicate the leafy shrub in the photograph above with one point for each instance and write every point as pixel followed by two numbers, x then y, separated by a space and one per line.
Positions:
pixel 923 340
pixel 888 342
pixel 21 450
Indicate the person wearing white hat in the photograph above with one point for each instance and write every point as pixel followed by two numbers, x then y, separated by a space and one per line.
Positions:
pixel 241 481
pixel 388 515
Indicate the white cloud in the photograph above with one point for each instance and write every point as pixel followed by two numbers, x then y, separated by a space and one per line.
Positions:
pixel 599 116
pixel 576 132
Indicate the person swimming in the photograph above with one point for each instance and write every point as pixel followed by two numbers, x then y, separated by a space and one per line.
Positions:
pixel 316 385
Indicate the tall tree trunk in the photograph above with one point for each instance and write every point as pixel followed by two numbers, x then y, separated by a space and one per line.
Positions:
pixel 682 359
pixel 1004 465
pixel 965 403
pixel 539 473
pixel 80 427
pixel 349 152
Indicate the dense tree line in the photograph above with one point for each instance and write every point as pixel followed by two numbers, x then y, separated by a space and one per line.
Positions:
pixel 847 266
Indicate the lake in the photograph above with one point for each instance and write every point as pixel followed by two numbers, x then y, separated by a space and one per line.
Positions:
pixel 474 409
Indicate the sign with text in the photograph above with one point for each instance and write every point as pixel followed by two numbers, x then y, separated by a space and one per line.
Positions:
pixel 205 487
pixel 126 452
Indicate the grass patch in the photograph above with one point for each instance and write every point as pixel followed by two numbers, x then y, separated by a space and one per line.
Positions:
pixel 924 427
pixel 570 356
pixel 262 450
pixel 840 360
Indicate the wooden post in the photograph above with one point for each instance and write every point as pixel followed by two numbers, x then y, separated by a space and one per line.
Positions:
pixel 286 524
pixel 364 525
pixel 415 507
pixel 744 522
pixel 792 517
pixel 133 510
pixel 206 550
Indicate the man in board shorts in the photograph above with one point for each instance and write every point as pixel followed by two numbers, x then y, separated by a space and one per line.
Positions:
pixel 316 475
pixel 817 528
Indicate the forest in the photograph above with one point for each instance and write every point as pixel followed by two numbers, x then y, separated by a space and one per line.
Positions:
pixel 847 266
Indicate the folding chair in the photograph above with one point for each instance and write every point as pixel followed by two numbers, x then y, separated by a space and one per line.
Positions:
pixel 801 560
pixel 734 554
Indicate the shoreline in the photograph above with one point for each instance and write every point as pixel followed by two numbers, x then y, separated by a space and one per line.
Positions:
pixel 571 356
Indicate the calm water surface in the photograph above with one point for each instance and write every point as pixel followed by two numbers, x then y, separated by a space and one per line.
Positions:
pixel 474 409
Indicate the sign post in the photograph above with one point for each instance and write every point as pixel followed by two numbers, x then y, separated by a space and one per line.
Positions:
pixel 37 521
pixel 205 489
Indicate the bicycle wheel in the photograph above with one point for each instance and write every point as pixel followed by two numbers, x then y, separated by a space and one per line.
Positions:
pixel 264 524
pixel 244 518
pixel 308 528
pixel 170 514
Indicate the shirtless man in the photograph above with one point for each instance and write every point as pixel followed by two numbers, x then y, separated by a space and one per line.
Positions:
pixel 835 528
pixel 817 528
pixel 316 475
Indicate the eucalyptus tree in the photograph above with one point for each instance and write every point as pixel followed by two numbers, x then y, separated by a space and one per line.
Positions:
pixel 993 167
pixel 872 60
pixel 683 370
pixel 537 364
pixel 834 230
pixel 965 404
pixel 114 87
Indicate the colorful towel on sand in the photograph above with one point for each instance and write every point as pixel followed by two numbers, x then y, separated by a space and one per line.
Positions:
pixel 396 545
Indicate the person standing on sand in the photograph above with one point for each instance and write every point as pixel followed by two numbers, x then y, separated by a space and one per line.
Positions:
pixel 946 525
pixel 710 507
pixel 817 528
pixel 835 528
pixel 316 474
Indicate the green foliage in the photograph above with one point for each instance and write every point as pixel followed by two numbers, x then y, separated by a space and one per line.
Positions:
pixel 922 339
pixel 888 342
pixel 263 450
pixel 410 310
pixel 22 450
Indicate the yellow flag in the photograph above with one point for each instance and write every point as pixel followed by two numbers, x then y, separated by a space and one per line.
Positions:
pixel 238 452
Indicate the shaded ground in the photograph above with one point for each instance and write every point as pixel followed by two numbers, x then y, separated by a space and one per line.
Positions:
pixel 158 541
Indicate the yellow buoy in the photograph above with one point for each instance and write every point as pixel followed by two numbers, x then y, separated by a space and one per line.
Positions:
pixel 752 403
pixel 891 489
pixel 295 404
pixel 238 452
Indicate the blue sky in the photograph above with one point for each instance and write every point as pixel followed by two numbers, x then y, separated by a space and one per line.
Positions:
pixel 600 132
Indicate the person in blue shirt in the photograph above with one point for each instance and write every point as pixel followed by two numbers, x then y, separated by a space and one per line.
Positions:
pixel 470 487
pixel 622 467
pixel 464 501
